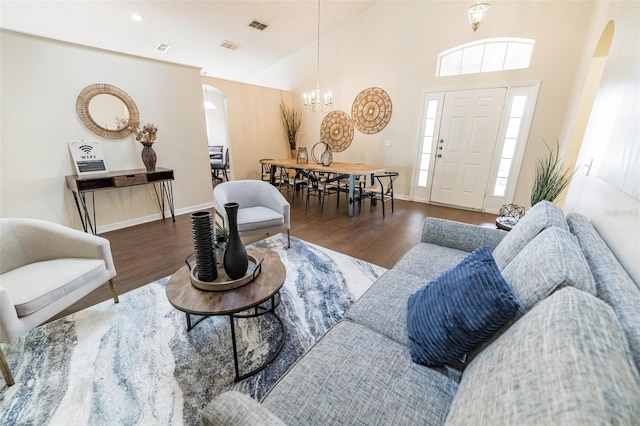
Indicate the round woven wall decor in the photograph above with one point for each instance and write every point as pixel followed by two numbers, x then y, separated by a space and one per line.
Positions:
pixel 336 130
pixel 371 110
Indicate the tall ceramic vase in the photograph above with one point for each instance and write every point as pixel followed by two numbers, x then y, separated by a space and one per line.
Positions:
pixel 149 157
pixel 204 246
pixel 236 261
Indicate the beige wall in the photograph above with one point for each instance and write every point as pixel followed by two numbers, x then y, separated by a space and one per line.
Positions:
pixel 40 81
pixel 615 214
pixel 394 45
pixel 254 126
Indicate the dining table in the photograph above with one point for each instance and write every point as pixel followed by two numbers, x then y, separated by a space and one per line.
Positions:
pixel 346 170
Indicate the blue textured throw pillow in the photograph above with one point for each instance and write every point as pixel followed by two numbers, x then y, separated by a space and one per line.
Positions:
pixel 460 309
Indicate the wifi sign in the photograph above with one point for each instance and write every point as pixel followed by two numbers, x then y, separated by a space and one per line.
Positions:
pixel 85 148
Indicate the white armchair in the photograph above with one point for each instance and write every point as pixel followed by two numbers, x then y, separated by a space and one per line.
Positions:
pixel 262 208
pixel 45 268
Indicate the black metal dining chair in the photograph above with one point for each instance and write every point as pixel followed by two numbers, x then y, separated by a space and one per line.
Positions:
pixel 219 166
pixel 266 172
pixel 321 185
pixel 382 191
pixel 291 180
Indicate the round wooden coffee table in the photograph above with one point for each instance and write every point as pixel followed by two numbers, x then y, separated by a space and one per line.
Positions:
pixel 253 295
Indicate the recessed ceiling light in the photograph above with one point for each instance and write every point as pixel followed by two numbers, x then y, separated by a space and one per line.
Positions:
pixel 163 47
pixel 137 17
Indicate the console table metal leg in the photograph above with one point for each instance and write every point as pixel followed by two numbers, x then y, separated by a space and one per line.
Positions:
pixel 166 190
pixel 85 217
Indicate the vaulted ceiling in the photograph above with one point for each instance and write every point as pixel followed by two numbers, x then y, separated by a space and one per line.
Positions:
pixel 194 30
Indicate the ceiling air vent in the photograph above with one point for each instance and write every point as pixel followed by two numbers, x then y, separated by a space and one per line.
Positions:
pixel 229 45
pixel 258 25
pixel 163 47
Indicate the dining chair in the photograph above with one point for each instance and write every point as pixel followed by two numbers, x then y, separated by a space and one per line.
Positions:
pixel 266 172
pixel 382 190
pixel 220 166
pixel 320 185
pixel 291 180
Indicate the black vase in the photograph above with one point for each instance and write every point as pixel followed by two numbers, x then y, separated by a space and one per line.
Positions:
pixel 204 246
pixel 236 261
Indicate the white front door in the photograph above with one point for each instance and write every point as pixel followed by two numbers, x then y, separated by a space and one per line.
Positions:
pixel 466 146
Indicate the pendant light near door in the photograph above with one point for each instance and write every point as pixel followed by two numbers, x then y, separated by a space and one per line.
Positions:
pixel 477 12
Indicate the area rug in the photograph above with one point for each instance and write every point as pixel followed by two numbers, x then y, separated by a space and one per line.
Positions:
pixel 134 363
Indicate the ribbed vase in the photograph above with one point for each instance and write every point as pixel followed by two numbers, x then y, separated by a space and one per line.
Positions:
pixel 149 157
pixel 236 261
pixel 204 246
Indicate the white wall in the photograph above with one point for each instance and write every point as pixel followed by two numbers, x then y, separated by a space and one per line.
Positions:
pixel 615 214
pixel 394 45
pixel 40 81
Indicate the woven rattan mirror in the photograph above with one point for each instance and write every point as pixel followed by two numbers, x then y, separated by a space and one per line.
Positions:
pixel 107 111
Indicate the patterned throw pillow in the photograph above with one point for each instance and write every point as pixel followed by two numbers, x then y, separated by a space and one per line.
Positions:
pixel 460 309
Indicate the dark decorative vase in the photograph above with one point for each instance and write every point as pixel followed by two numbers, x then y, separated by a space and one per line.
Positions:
pixel 204 246
pixel 149 157
pixel 236 261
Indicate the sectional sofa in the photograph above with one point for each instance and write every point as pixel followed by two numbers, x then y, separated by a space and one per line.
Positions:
pixel 569 354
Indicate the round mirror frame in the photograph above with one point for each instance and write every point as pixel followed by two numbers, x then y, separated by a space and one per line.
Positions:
pixel 82 107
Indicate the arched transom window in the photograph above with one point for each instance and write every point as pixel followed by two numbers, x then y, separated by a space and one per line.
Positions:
pixel 491 54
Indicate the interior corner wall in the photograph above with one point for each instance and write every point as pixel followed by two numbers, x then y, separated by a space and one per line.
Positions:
pixel 254 126
pixel 40 80
pixel 615 214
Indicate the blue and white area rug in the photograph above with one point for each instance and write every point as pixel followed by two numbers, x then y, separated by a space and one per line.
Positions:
pixel 134 363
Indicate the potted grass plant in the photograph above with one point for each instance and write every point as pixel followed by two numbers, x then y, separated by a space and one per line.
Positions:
pixel 291 121
pixel 550 179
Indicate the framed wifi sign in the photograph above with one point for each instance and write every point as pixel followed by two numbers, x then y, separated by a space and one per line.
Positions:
pixel 87 157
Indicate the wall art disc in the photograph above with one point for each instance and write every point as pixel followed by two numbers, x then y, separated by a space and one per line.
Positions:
pixel 336 130
pixel 371 110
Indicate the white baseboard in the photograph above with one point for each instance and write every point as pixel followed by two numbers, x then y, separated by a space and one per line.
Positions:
pixel 151 218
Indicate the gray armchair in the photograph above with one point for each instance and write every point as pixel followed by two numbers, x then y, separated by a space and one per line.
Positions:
pixel 45 268
pixel 262 208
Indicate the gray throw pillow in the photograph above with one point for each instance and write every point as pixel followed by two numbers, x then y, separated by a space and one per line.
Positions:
pixel 551 260
pixel 541 216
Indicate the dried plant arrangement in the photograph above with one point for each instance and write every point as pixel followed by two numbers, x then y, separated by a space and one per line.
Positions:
pixel 291 120
pixel 147 135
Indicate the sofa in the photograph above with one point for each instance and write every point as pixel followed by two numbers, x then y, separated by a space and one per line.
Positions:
pixel 569 355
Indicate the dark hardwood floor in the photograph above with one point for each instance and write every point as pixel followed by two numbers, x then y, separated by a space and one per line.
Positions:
pixel 147 252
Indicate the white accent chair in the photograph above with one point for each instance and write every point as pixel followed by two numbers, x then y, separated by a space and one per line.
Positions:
pixel 45 268
pixel 262 208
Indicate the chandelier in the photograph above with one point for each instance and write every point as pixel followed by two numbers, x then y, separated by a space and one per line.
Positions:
pixel 313 102
pixel 477 13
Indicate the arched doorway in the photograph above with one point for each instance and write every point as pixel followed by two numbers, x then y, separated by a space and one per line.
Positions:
pixel 215 108
pixel 592 83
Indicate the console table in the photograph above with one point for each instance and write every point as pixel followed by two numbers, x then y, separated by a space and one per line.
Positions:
pixel 161 180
